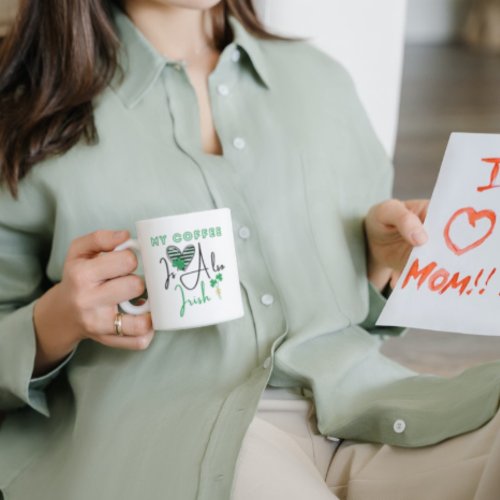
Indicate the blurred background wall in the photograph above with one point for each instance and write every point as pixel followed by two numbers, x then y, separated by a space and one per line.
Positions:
pixel 435 21
pixel 450 83
pixel 365 36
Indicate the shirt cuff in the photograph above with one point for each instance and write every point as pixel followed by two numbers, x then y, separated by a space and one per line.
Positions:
pixel 41 382
pixel 17 359
pixel 37 386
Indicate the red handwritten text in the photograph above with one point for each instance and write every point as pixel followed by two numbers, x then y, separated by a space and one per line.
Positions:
pixel 473 216
pixel 440 280
pixel 493 176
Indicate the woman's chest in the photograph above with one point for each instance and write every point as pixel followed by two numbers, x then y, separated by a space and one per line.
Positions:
pixel 284 182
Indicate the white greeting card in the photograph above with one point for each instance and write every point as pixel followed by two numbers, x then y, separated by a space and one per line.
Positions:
pixel 452 283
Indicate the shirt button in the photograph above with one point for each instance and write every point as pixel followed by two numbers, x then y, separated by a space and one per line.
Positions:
pixel 239 143
pixel 267 363
pixel 223 90
pixel 236 55
pixel 267 299
pixel 244 232
pixel 399 426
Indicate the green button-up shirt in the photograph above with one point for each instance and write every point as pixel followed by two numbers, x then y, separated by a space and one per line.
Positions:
pixel 300 168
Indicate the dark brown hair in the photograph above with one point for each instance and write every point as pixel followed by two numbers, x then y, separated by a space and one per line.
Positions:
pixel 58 56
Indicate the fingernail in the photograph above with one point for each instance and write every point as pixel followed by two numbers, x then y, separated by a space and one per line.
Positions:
pixel 419 237
pixel 119 234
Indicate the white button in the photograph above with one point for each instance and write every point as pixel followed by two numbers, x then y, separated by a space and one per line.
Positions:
pixel 223 90
pixel 239 143
pixel 267 299
pixel 236 55
pixel 399 426
pixel 267 363
pixel 244 232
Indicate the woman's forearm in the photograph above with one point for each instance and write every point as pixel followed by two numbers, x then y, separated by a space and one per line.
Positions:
pixel 55 335
pixel 378 275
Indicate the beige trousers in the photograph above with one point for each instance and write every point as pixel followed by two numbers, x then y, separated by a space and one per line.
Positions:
pixel 283 457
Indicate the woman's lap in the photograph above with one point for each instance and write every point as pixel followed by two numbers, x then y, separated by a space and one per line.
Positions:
pixel 462 468
pixel 283 457
pixel 272 466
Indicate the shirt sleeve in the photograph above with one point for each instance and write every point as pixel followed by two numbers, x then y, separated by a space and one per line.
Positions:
pixel 24 246
pixel 38 384
pixel 377 302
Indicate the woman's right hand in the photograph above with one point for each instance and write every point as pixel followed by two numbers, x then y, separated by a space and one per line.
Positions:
pixel 84 304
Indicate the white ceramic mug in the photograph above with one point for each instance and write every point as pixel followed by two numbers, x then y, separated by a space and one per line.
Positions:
pixel 190 269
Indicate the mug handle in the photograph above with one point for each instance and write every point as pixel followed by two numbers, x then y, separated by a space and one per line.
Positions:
pixel 127 306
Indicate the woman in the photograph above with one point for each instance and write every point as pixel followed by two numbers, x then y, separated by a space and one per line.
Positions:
pixel 206 109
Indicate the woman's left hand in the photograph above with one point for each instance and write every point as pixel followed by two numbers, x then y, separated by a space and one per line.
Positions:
pixel 392 229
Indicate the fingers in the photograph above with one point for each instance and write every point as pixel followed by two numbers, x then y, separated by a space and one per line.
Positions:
pixel 119 290
pixel 131 343
pixel 137 333
pixel 135 326
pixel 96 242
pixel 422 207
pixel 96 279
pixel 111 265
pixel 396 214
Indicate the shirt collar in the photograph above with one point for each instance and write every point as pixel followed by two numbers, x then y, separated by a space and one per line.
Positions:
pixel 252 48
pixel 141 64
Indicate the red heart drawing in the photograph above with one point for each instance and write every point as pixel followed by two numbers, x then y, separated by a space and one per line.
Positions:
pixel 473 217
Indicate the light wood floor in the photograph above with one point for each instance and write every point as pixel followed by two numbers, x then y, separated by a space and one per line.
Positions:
pixel 445 89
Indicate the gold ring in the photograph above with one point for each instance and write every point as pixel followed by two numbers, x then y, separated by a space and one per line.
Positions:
pixel 118 324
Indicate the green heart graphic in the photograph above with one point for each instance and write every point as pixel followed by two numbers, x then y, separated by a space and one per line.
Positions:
pixel 180 260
